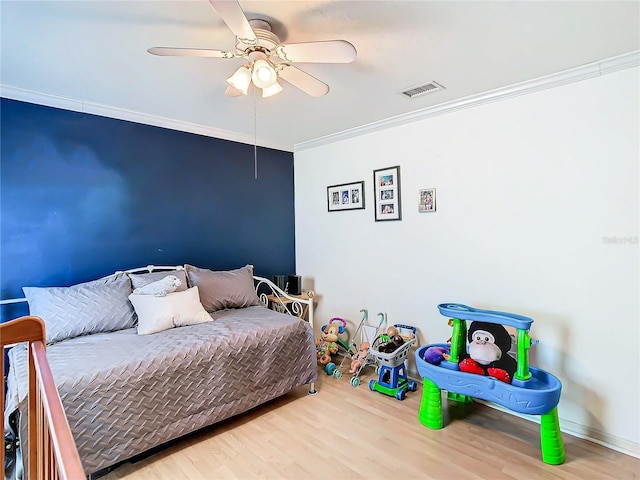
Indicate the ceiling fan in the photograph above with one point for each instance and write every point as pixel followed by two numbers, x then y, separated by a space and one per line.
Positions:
pixel 268 59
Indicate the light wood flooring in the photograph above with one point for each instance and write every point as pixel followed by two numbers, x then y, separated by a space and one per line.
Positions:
pixel 353 433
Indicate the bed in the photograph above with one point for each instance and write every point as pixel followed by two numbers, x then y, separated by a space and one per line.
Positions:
pixel 125 393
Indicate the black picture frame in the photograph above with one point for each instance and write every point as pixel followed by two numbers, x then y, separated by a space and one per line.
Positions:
pixel 386 191
pixel 346 196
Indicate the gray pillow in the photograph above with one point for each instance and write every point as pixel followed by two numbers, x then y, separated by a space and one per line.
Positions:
pixel 139 280
pixel 220 290
pixel 98 306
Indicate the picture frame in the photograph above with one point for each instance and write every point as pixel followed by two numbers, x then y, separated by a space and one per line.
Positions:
pixel 347 196
pixel 427 200
pixel 386 190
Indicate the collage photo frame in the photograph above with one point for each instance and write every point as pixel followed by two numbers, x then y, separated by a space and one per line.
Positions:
pixel 386 185
pixel 347 196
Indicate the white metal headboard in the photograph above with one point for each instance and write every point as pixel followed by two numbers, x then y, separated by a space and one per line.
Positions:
pixel 295 303
pixel 151 269
pixel 147 269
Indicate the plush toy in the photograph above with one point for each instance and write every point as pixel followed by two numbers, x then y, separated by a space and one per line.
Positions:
pixel 394 343
pixel 359 358
pixel 435 355
pixel 391 340
pixel 489 344
pixel 327 344
pixel 160 288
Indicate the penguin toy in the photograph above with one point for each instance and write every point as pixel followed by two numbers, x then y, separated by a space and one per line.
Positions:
pixel 489 344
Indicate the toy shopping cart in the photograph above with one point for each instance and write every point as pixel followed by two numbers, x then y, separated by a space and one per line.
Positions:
pixel 359 353
pixel 392 375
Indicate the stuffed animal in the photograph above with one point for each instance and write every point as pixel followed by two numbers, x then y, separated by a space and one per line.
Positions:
pixel 489 344
pixel 394 343
pixel 160 288
pixel 327 344
pixel 435 355
pixel 358 359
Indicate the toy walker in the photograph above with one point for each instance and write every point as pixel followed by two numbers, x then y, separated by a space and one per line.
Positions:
pixel 392 374
pixel 329 343
pixel 523 389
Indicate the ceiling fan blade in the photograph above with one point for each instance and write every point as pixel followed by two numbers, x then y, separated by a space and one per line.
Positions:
pixel 303 81
pixel 190 52
pixel 330 51
pixel 234 17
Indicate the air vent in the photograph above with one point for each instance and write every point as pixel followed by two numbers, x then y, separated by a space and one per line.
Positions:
pixel 422 89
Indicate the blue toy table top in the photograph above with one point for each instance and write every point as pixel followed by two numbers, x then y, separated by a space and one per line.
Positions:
pixel 535 396
pixel 463 312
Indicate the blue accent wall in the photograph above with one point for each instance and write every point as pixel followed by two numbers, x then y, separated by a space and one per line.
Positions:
pixel 82 196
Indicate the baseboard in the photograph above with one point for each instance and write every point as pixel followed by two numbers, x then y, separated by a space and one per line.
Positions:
pixel 571 428
pixel 575 429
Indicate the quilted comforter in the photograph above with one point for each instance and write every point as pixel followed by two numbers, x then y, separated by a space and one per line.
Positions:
pixel 125 393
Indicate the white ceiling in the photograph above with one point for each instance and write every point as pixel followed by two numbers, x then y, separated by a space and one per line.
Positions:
pixel 95 52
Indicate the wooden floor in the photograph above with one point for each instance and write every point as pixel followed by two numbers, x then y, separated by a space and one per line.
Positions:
pixel 351 433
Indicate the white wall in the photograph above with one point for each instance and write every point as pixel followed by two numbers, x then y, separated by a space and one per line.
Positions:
pixel 529 192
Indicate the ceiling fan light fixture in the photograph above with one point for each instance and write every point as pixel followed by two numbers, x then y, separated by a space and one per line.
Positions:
pixel 264 75
pixel 232 91
pixel 268 59
pixel 272 90
pixel 241 79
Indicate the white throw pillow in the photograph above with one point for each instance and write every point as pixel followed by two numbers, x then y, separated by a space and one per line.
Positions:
pixel 177 309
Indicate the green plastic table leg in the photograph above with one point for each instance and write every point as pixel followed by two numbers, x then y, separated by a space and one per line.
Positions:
pixel 524 343
pixel 551 442
pixel 458 339
pixel 430 414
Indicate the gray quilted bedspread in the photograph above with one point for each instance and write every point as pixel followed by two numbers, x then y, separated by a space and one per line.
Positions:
pixel 125 393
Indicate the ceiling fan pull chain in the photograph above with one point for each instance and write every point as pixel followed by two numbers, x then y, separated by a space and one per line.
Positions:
pixel 255 137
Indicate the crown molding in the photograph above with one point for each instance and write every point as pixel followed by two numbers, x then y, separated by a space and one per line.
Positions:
pixel 577 74
pixel 584 72
pixel 82 106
